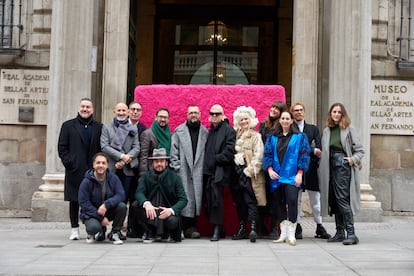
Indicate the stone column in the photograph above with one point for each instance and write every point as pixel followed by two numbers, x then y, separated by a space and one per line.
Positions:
pixel 115 68
pixel 305 56
pixel 348 78
pixel 70 80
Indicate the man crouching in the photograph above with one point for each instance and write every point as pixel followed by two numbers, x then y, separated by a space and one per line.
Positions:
pixel 101 198
pixel 160 198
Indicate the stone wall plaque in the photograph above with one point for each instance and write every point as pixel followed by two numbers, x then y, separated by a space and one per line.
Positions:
pixel 392 107
pixel 23 90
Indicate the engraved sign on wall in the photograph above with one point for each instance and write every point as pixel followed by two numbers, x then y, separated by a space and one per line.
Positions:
pixel 392 107
pixel 24 96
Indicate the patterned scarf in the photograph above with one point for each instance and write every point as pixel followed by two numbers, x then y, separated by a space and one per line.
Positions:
pixel 123 129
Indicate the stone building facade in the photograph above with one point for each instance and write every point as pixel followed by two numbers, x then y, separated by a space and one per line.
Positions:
pixel 25 44
pixel 321 51
pixel 392 155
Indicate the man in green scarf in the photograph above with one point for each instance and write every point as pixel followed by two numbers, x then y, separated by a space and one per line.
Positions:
pixel 155 137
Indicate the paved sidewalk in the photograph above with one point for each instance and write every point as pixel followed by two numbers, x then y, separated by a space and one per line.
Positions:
pixel 42 248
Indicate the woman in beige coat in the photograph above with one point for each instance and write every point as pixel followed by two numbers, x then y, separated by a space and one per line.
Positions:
pixel 342 152
pixel 249 190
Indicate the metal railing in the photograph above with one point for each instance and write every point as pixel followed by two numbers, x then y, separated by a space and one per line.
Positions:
pixel 189 63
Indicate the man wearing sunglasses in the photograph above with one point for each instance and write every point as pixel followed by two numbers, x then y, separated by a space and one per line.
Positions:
pixel 218 167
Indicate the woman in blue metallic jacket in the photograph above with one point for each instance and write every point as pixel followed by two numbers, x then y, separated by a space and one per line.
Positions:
pixel 286 157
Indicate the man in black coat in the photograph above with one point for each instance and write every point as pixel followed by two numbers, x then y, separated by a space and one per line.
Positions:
pixel 310 182
pixel 218 167
pixel 79 141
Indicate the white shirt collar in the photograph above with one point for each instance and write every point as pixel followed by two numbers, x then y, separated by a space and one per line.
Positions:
pixel 301 125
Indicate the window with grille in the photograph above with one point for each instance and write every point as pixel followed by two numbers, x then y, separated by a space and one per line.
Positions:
pixel 10 25
pixel 406 35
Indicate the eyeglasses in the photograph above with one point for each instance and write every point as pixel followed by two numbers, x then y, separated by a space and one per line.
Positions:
pixel 162 117
pixel 298 110
pixel 215 114
pixel 136 109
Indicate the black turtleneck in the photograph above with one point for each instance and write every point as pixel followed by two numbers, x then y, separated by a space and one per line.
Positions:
pixel 194 129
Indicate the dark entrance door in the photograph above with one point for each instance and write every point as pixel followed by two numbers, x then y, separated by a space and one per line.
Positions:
pixel 216 44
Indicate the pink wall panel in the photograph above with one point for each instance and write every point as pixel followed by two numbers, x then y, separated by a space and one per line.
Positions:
pixel 177 97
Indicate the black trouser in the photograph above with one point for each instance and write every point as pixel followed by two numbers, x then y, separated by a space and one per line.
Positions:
pixel 270 210
pixel 132 225
pixel 286 197
pixel 170 225
pixel 126 181
pixel 213 193
pixel 117 215
pixel 245 199
pixel 74 213
pixel 189 222
pixel 339 189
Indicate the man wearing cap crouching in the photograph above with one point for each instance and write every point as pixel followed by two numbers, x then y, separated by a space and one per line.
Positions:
pixel 160 198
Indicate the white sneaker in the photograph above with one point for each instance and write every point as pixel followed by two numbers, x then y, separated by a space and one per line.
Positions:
pixel 116 239
pixel 90 239
pixel 74 234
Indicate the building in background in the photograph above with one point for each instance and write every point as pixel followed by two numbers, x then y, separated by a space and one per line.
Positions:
pixel 52 53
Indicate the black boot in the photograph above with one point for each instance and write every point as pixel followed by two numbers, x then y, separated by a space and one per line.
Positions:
pixel 253 234
pixel 340 229
pixel 216 234
pixel 321 232
pixel 241 233
pixel 274 233
pixel 222 231
pixel 298 232
pixel 351 238
pixel 261 228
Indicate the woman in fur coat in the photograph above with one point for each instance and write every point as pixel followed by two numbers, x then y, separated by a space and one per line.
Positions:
pixel 249 191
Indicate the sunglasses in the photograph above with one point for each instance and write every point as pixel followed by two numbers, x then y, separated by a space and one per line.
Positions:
pixel 215 114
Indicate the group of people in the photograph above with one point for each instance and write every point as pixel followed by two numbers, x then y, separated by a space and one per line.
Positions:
pixel 161 181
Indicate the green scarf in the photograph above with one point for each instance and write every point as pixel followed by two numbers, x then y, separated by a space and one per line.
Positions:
pixel 163 136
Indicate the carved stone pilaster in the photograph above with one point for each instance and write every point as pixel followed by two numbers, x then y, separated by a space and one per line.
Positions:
pixel 70 81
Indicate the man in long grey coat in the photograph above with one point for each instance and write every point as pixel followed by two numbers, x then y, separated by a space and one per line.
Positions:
pixel 187 157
